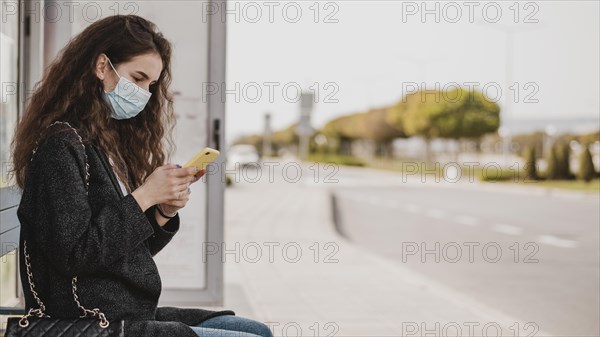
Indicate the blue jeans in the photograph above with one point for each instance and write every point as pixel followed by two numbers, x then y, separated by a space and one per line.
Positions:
pixel 232 326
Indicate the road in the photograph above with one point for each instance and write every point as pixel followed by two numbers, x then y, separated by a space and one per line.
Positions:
pixel 533 256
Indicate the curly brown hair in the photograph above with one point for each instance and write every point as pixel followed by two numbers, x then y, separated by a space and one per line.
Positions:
pixel 71 91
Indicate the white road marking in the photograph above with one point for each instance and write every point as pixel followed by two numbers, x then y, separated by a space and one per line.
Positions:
pixel 507 229
pixel 436 213
pixel 558 242
pixel 311 182
pixel 357 197
pixel 466 220
pixel 373 200
pixel 411 208
pixel 347 181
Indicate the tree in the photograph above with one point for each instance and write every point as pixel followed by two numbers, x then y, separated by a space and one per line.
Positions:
pixel 530 164
pixel 534 139
pixel 416 113
pixel 453 114
pixel 377 129
pixel 563 156
pixel 586 165
pixel 342 131
pixel 280 139
pixel 285 137
pixel 552 166
pixel 255 140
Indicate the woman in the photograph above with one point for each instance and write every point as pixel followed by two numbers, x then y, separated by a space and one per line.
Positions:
pixel 96 121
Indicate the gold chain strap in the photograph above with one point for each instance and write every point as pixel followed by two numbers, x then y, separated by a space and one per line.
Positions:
pixel 40 312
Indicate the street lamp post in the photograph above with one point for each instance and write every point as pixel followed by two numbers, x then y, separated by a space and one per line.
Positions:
pixel 506 117
pixel 507 139
pixel 266 145
pixel 305 129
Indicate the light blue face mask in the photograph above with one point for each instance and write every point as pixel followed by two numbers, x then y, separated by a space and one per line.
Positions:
pixel 128 99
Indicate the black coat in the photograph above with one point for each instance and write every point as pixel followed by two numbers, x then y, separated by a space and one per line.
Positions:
pixel 103 238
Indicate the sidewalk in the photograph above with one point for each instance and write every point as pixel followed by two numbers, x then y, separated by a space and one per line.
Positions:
pixel 311 294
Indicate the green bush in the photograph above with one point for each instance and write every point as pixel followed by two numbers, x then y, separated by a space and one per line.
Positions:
pixel 586 165
pixel 492 173
pixel 336 159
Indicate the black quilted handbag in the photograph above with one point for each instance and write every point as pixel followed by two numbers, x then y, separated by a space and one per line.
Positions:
pixel 36 323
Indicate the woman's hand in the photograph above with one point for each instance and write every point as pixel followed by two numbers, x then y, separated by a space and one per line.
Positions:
pixel 173 206
pixel 168 184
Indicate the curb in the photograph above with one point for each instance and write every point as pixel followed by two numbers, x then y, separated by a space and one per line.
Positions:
pixel 336 217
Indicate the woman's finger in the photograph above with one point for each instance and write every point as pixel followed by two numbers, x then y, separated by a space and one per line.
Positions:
pixel 181 183
pixel 197 176
pixel 174 203
pixel 180 179
pixel 184 171
pixel 167 166
pixel 182 202
pixel 180 196
pixel 181 192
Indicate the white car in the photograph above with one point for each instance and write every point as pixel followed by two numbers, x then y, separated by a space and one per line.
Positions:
pixel 244 154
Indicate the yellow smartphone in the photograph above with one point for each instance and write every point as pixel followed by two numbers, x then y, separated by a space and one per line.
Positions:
pixel 203 158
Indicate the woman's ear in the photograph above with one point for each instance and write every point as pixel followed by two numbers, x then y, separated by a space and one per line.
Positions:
pixel 101 66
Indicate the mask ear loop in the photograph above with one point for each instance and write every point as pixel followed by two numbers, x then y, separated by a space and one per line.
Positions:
pixel 113 68
pixel 111 65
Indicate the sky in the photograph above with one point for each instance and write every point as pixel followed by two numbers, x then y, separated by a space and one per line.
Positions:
pixel 356 55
